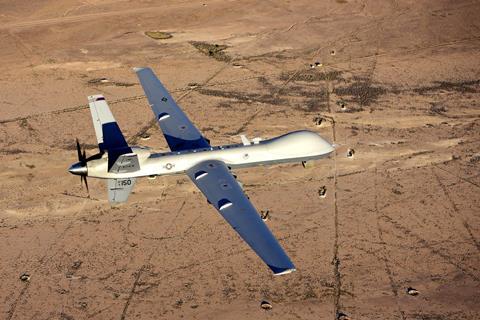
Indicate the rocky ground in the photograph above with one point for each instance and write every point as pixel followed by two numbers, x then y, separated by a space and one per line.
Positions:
pixel 398 82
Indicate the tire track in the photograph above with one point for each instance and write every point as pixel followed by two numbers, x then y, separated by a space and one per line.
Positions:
pixel 460 178
pixel 403 52
pixel 219 256
pixel 13 306
pixel 384 255
pixel 43 260
pixel 433 250
pixel 132 291
pixel 245 124
pixel 77 18
pixel 141 97
pixel 145 266
pixel 125 99
pixel 336 260
pixel 454 207
pixel 415 219
pixel 69 109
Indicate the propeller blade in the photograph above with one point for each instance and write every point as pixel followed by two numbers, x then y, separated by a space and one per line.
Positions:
pixel 84 178
pixel 86 186
pixel 79 151
pixel 95 156
pixel 84 157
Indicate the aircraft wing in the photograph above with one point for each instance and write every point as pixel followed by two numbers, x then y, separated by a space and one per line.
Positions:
pixel 109 135
pixel 216 182
pixel 179 132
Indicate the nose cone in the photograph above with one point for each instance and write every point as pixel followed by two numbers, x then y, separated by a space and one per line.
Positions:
pixel 329 148
pixel 79 169
pixel 322 146
pixel 300 143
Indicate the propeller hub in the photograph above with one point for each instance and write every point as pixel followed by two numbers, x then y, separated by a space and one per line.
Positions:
pixel 79 169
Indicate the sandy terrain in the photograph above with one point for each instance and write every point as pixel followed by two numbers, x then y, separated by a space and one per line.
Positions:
pixel 403 212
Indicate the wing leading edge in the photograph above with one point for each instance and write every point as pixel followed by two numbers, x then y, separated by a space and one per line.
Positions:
pixel 216 182
pixel 179 132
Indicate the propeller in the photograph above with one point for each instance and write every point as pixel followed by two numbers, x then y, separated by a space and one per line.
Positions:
pixel 81 167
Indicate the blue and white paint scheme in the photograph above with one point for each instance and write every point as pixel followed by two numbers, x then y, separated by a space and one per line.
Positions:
pixel 209 167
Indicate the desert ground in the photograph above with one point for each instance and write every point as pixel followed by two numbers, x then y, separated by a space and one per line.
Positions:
pixel 396 81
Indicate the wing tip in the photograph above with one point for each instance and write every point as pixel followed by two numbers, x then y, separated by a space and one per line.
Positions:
pixel 287 271
pixel 138 69
pixel 281 271
pixel 95 97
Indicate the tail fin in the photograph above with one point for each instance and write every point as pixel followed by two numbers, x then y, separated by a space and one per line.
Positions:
pixel 110 137
pixel 119 189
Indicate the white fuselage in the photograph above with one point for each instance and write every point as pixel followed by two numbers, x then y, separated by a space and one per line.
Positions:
pixel 292 147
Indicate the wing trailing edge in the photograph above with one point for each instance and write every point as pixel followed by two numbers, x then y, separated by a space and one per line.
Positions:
pixel 222 190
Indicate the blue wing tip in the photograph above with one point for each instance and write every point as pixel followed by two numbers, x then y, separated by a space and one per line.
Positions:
pixel 138 69
pixel 281 271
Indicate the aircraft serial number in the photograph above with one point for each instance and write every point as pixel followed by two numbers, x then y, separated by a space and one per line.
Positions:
pixel 125 182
